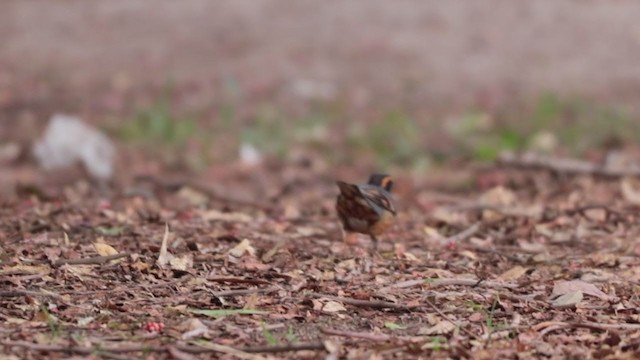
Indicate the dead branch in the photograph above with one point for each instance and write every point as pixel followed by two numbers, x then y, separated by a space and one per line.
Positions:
pixel 471 282
pixel 20 292
pixel 465 234
pixel 97 260
pixel 238 280
pixel 191 349
pixel 549 326
pixel 404 284
pixel 241 292
pixel 565 165
pixel 370 336
pixel 285 348
pixel 374 304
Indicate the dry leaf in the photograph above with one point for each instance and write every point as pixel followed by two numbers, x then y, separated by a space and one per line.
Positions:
pixel 140 265
pixel 513 273
pixel 230 216
pixel 27 269
pixel 568 300
pixel 182 263
pixel 566 287
pixel 441 328
pixel 498 196
pixel 629 193
pixel 104 249
pixel 193 197
pixel 165 256
pixel 449 217
pixel 607 259
pixel 192 328
pixel 431 233
pixel 244 247
pixel 333 307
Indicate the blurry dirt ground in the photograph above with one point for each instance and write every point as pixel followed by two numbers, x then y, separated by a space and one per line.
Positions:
pixel 484 262
pixel 422 56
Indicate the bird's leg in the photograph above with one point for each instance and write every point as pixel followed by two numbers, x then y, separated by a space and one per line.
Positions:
pixel 375 252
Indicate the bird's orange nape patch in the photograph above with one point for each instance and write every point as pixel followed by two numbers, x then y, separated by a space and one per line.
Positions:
pixel 385 182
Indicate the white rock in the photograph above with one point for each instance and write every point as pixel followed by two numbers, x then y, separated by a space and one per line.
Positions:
pixel 67 140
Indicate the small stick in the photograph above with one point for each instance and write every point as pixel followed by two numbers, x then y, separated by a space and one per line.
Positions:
pixel 97 260
pixel 241 292
pixel 239 280
pixel 404 284
pixel 470 282
pixel 369 336
pixel 375 304
pixel 20 292
pixel 587 325
pixel 565 165
pixel 464 234
pixel 200 348
pixel 284 348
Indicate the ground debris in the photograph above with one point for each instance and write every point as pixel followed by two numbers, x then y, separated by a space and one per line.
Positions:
pixel 193 278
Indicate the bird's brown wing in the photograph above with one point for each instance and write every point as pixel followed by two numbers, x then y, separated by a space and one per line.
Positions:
pixel 378 197
pixel 352 203
pixel 348 190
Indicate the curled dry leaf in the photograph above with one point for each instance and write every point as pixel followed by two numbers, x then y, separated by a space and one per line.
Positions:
pixel 26 269
pixel 431 233
pixel 333 307
pixel 566 287
pixel 182 263
pixel 213 215
pixel 513 274
pixel 192 196
pixel 104 249
pixel 498 196
pixel 441 328
pixel 193 328
pixel 629 192
pixel 448 216
pixel 165 256
pixel 244 247
pixel 568 300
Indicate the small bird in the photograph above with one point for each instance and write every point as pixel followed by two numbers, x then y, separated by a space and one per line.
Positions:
pixel 367 209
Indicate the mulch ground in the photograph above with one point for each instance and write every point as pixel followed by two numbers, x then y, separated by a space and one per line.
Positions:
pixel 484 262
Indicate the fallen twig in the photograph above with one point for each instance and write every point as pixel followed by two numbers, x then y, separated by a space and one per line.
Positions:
pixel 375 304
pixel 238 280
pixel 370 336
pixel 565 165
pixel 470 282
pixel 20 292
pixel 464 234
pixel 241 292
pixel 549 326
pixel 197 348
pixel 97 260
pixel 285 348
pixel 404 284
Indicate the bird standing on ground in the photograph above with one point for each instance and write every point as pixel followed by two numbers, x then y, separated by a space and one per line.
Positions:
pixel 367 209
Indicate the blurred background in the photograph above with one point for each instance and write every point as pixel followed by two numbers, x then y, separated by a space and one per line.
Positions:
pixel 196 85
